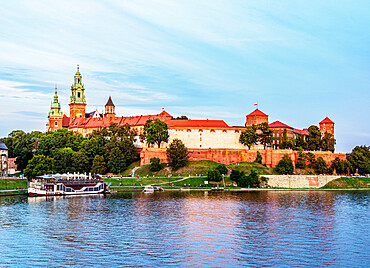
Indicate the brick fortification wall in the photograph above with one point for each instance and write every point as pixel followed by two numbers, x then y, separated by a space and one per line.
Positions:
pixel 228 156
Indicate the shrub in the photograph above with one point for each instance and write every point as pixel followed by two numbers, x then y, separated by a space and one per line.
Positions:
pixel 155 164
pixel 258 158
pixel 214 175
pixel 285 165
pixel 222 169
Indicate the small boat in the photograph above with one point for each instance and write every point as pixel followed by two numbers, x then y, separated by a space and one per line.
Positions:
pixel 148 189
pixel 217 189
pixel 51 186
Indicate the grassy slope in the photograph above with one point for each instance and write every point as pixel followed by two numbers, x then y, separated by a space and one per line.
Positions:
pixel 201 167
pixel 11 184
pixel 349 182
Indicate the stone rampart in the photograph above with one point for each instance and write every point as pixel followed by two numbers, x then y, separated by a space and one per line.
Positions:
pixel 229 156
pixel 298 181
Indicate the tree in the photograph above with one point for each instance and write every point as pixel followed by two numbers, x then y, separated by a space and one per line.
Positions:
pixel 222 169
pixel 301 161
pixel 92 147
pixel 155 132
pixel 300 142
pixel 37 166
pixel 311 158
pixel 119 154
pixel 258 158
pixel 80 162
pixel 248 181
pixel 234 175
pixel 340 166
pixel 177 154
pixel 62 160
pixel 320 166
pixel 327 142
pixel 314 138
pixel 99 165
pixel 183 117
pixel 155 164
pixel 286 144
pixel 214 175
pixel 360 160
pixel 265 134
pixel 285 165
pixel 249 136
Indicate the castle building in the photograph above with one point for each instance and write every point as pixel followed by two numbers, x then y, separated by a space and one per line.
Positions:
pixel 55 117
pixel 77 103
pixel 256 117
pixel 326 125
pixel 197 134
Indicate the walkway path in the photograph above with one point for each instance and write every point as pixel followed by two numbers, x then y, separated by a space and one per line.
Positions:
pixel 182 179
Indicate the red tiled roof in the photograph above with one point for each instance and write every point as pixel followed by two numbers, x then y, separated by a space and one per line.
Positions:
pixel 278 124
pixel 258 113
pixel 197 123
pixel 326 120
pixel 120 121
pixel 302 132
pixel 65 121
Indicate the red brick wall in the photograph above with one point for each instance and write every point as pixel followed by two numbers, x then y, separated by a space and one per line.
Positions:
pixel 228 156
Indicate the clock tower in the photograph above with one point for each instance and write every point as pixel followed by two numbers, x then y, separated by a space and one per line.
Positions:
pixel 77 102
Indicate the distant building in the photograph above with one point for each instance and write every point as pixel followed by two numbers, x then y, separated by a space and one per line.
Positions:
pixel 12 166
pixel 3 160
pixel 214 134
pixel 326 125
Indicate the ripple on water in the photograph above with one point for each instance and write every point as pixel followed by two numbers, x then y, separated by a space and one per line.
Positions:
pixel 187 229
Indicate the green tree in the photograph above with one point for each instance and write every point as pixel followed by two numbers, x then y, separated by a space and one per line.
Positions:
pixel 155 164
pixel 286 144
pixel 234 175
pixel 311 158
pixel 300 142
pixel 80 162
pixel 340 166
pixel 177 154
pixel 249 136
pixel 92 147
pixel 314 138
pixel 62 160
pixel 320 166
pixel 360 160
pixel 222 169
pixel 248 181
pixel 119 154
pixel 327 142
pixel 285 165
pixel 155 132
pixel 258 158
pixel 37 166
pixel 214 175
pixel 265 135
pixel 99 166
pixel 301 161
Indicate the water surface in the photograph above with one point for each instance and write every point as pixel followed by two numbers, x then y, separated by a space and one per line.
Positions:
pixel 274 228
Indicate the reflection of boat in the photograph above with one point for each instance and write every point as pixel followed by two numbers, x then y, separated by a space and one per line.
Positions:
pixel 148 189
pixel 54 185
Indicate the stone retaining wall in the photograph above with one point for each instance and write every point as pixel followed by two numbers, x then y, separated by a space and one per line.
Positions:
pixel 298 181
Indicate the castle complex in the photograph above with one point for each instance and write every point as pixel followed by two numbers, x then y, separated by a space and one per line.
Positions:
pixel 195 134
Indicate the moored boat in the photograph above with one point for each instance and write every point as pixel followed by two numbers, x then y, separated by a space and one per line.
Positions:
pixel 148 189
pixel 51 186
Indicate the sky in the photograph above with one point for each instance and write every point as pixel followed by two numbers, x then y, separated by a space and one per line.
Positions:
pixel 299 60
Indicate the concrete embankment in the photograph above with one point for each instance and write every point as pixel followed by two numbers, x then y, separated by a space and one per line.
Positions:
pixel 298 181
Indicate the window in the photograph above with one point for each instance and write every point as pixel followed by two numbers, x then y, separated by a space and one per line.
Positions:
pixel 200 139
pixel 188 130
pixel 224 130
pixel 78 95
pixel 200 130
pixel 236 131
pixel 56 123
pixel 212 130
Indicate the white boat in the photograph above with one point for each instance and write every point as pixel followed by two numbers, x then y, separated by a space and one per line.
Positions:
pixel 49 186
pixel 148 189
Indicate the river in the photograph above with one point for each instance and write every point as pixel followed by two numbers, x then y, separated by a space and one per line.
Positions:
pixel 225 229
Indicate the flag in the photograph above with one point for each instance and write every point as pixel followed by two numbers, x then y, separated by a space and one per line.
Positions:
pixel 255 104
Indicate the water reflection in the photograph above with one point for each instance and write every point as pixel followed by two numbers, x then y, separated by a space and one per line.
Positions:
pixel 311 228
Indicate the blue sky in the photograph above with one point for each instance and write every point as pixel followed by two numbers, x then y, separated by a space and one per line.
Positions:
pixel 300 60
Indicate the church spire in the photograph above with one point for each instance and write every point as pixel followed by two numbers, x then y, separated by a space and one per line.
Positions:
pixel 55 115
pixel 77 101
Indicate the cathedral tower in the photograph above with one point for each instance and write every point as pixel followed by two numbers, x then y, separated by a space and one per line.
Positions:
pixel 55 117
pixel 77 103
pixel 110 108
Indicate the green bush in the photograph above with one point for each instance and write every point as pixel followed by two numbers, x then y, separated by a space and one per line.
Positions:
pixel 258 158
pixel 222 169
pixel 285 165
pixel 155 164
pixel 214 175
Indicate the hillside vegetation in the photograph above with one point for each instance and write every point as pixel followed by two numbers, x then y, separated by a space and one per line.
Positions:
pixel 194 168
pixel 349 182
